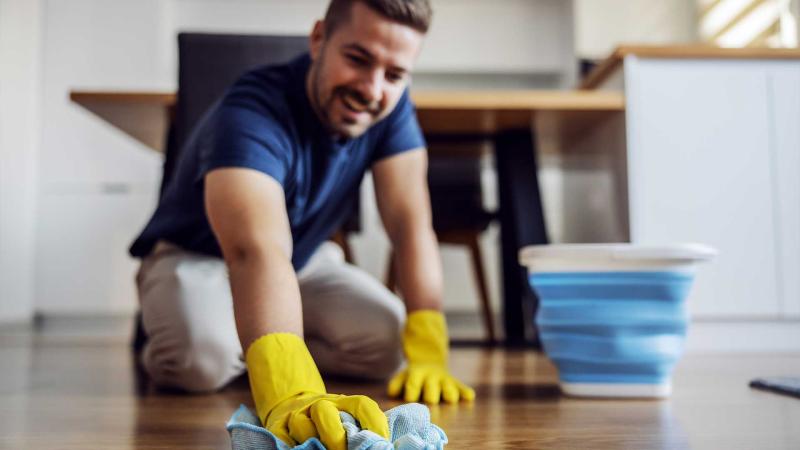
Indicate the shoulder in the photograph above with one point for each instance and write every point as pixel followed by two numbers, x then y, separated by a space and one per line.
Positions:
pixel 404 110
pixel 402 113
pixel 270 91
pixel 261 91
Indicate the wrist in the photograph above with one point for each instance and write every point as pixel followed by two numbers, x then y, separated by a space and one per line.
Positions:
pixel 279 367
pixel 425 338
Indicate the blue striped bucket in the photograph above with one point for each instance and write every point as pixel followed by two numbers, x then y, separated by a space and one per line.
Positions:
pixel 613 318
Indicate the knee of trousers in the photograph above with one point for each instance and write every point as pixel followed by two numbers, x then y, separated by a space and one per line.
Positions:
pixel 389 349
pixel 388 361
pixel 384 356
pixel 197 367
pixel 371 353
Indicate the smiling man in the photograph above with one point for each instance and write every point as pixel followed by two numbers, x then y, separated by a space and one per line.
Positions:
pixel 235 256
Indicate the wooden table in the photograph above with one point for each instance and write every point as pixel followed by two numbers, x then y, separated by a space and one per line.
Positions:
pixel 614 61
pixel 512 120
pixel 145 115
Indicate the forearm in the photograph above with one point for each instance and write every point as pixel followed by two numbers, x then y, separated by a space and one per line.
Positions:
pixel 419 267
pixel 266 296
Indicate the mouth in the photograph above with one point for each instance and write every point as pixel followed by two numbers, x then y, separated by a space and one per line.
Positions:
pixel 354 105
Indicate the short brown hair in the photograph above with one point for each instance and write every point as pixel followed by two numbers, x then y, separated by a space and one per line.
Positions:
pixel 413 13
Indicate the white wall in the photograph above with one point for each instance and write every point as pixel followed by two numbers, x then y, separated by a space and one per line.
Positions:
pixel 470 43
pixel 600 25
pixel 498 37
pixel 20 25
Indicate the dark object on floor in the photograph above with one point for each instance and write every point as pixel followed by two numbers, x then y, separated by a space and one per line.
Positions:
pixel 781 385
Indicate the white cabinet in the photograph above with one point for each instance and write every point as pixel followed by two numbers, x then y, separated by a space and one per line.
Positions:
pixel 784 88
pixel 713 157
pixel 96 185
pixel 20 119
pixel 82 266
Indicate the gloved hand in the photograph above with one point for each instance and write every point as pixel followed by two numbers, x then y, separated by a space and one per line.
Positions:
pixel 290 396
pixel 425 344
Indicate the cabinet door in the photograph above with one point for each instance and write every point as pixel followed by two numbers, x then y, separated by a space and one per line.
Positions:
pixel 784 85
pixel 82 262
pixel 701 169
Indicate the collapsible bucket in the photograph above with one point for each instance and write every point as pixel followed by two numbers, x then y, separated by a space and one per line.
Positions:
pixel 613 317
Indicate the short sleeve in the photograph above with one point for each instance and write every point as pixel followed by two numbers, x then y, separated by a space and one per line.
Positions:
pixel 402 131
pixel 245 137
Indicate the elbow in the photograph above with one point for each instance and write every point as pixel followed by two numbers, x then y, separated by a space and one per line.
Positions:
pixel 249 251
pixel 402 231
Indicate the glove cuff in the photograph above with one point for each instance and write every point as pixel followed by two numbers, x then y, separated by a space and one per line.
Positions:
pixel 425 339
pixel 279 367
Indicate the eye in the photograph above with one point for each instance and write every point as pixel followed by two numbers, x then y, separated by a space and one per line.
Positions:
pixel 357 60
pixel 394 77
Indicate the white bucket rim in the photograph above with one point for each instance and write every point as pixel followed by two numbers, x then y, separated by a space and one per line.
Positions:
pixel 614 255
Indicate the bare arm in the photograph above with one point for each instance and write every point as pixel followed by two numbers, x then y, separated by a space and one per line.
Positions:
pixel 247 212
pixel 401 189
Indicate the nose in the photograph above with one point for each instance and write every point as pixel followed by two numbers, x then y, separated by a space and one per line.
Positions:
pixel 371 87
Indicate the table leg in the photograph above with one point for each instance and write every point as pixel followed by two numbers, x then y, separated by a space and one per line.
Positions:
pixel 521 224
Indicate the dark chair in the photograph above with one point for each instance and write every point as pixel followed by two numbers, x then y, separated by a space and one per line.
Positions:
pixel 207 65
pixel 459 217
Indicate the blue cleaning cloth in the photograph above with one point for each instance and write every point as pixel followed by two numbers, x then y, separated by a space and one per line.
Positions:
pixel 410 428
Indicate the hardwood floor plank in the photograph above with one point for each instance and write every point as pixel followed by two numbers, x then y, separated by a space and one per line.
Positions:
pixel 79 394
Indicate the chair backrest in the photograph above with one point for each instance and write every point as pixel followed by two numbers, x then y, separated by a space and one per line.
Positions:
pixel 454 181
pixel 207 65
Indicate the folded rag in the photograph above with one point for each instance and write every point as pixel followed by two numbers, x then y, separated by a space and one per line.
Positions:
pixel 410 428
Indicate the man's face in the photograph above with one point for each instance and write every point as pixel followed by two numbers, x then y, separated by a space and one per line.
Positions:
pixel 359 72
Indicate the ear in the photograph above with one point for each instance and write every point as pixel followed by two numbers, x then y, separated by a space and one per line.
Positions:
pixel 316 39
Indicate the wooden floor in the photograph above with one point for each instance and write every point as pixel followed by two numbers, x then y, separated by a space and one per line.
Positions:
pixel 83 393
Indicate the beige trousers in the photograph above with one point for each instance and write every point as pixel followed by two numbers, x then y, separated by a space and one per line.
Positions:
pixel 351 322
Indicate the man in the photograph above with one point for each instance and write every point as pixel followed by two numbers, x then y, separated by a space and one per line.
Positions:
pixel 262 183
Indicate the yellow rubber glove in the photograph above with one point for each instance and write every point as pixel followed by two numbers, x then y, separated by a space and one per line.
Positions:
pixel 290 396
pixel 425 344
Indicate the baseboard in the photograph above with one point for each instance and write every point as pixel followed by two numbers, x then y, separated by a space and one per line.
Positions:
pixel 109 327
pixel 756 335
pixel 735 336
pixel 15 320
pixel 744 336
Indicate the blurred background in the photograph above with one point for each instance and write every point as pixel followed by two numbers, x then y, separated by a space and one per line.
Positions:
pixel 75 191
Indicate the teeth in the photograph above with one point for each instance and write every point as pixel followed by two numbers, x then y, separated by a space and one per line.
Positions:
pixel 353 104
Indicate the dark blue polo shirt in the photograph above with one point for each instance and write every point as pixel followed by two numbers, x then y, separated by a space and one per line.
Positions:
pixel 265 122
